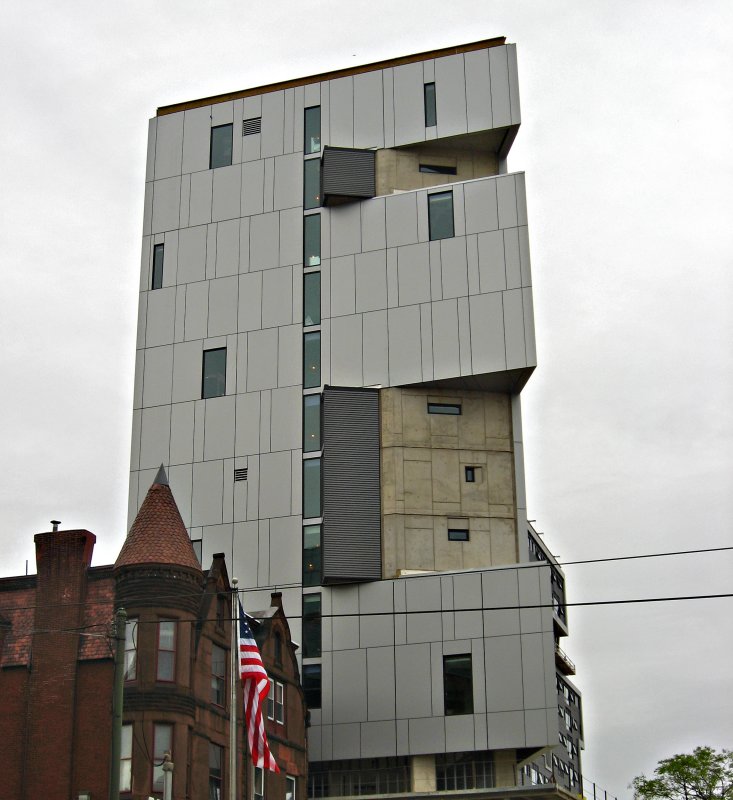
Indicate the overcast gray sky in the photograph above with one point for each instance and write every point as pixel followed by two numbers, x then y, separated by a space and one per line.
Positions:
pixel 626 142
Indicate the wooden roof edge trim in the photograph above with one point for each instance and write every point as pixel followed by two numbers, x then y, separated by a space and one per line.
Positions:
pixel 174 108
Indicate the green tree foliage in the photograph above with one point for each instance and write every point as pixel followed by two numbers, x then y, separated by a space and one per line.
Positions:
pixel 702 775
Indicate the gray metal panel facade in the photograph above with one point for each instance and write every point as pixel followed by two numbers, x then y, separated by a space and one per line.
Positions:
pixel 351 500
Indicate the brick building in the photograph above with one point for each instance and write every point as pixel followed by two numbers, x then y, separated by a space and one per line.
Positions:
pixel 57 670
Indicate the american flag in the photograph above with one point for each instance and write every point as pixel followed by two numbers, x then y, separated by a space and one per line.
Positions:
pixel 255 685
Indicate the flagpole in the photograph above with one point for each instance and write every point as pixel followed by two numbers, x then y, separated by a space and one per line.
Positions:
pixel 233 679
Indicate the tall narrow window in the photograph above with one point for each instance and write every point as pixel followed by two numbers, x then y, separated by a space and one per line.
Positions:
pixel 457 684
pixel 312 128
pixel 218 675
pixel 216 771
pixel 440 215
pixel 311 625
pixel 279 703
pixel 312 240
pixel 289 788
pixel 271 699
pixel 157 282
pixel 312 555
pixel 126 759
pixel 162 744
pixel 312 298
pixel 312 183
pixel 312 360
pixel 312 685
pixel 258 783
pixel 312 488
pixel 131 650
pixel 311 423
pixel 431 116
pixel 220 153
pixel 214 373
pixel 166 670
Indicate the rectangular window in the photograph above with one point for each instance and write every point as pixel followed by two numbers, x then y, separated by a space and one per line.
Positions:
pixel 157 282
pixel 258 783
pixel 438 169
pixel 312 129
pixel 457 685
pixel 216 771
pixel 440 215
pixel 198 548
pixel 311 625
pixel 312 240
pixel 312 488
pixel 279 703
pixel 214 373
pixel 271 699
pixel 311 298
pixel 289 788
pixel 470 474
pixel 131 650
pixel 311 423
pixel 444 408
pixel 312 555
pixel 431 116
pixel 312 685
pixel 312 183
pixel 457 534
pixel 162 744
pixel 220 153
pixel 166 670
pixel 312 360
pixel 218 675
pixel 126 759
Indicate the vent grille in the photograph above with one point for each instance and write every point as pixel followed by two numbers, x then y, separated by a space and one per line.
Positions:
pixel 251 126
pixel 240 474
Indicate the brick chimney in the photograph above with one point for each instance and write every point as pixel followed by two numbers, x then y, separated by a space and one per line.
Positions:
pixel 62 559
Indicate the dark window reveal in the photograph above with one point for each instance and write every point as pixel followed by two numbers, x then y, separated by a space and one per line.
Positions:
pixel 312 183
pixel 311 488
pixel 312 360
pixel 312 298
pixel 457 685
pixel 457 535
pixel 440 215
pixel 431 116
pixel 470 474
pixel 311 625
pixel 444 408
pixel 312 130
pixel 214 373
pixel 218 675
pixel 157 282
pixel 166 670
pixel 220 154
pixel 437 169
pixel 312 240
pixel 312 555
pixel 311 423
pixel 312 685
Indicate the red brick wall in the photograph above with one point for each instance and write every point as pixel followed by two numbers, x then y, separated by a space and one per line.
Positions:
pixel 93 728
pixel 14 684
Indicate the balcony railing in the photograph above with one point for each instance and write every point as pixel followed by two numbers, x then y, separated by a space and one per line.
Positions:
pixel 563 663
pixel 353 783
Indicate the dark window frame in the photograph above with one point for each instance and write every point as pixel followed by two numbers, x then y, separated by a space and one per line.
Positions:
pixel 312 559
pixel 435 233
pixel 457 687
pixel 446 409
pixel 311 278
pixel 430 103
pixel 156 280
pixel 470 474
pixel 308 148
pixel 312 378
pixel 131 626
pixel 305 500
pixel 308 403
pixel 458 535
pixel 312 626
pixel 312 221
pixel 214 136
pixel 312 685
pixel 219 679
pixel 156 772
pixel 204 395
pixel 438 169
pixel 311 170
pixel 216 771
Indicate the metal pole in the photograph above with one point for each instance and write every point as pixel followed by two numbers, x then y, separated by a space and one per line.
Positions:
pixel 167 776
pixel 233 680
pixel 119 684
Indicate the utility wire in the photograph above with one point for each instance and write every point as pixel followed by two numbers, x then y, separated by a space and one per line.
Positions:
pixel 530 565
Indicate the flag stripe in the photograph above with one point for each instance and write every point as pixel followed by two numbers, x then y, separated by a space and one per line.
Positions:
pixel 255 686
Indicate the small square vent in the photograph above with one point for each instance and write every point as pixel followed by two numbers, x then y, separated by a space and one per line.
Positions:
pixel 240 474
pixel 251 126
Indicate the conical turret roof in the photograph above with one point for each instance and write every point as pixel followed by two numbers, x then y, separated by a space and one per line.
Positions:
pixel 158 535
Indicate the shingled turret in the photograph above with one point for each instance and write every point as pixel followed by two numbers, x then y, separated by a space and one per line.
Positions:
pixel 157 552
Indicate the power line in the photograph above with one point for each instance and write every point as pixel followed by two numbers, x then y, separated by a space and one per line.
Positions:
pixel 526 565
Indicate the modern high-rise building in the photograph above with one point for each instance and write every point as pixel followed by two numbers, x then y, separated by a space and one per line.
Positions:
pixel 335 327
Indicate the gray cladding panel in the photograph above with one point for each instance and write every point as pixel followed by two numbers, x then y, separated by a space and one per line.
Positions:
pixel 351 496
